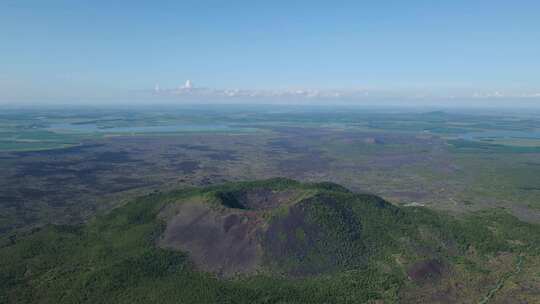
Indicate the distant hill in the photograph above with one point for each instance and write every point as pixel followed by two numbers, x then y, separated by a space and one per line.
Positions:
pixel 273 241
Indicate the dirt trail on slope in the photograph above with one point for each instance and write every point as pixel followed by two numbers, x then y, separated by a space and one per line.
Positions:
pixel 500 283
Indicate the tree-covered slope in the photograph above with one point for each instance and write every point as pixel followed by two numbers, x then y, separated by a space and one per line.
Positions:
pixel 316 243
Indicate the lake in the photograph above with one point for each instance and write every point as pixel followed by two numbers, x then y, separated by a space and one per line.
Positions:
pixel 93 128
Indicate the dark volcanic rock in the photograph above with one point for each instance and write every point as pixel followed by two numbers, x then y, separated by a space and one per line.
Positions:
pixel 424 271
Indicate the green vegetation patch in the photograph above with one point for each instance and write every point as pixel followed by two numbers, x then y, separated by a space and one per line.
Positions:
pixel 351 239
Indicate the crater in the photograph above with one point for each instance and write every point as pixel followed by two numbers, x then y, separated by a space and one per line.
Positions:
pixel 249 228
pixel 256 198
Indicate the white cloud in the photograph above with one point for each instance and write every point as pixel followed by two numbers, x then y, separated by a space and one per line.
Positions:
pixel 188 89
pixel 531 95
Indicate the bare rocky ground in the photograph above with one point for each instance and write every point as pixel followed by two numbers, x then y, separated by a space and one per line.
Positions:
pixel 224 239
pixel 222 242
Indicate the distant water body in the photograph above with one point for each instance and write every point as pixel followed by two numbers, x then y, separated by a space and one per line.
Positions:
pixel 92 128
pixel 504 134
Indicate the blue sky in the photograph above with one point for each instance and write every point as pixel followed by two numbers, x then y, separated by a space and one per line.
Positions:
pixel 88 49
